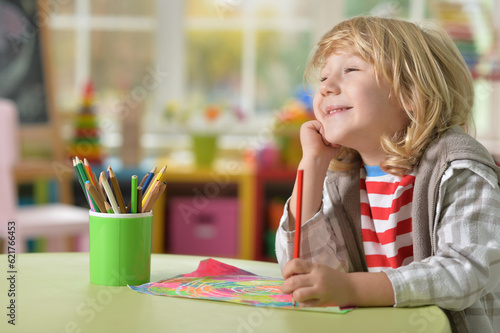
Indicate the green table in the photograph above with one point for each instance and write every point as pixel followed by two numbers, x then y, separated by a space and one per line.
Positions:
pixel 53 294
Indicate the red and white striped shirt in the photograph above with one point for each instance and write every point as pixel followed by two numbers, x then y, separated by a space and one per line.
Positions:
pixel 386 218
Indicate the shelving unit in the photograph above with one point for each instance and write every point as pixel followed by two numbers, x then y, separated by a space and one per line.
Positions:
pixel 226 179
pixel 269 183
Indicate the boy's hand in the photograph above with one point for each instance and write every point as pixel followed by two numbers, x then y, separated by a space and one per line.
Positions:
pixel 313 141
pixel 317 285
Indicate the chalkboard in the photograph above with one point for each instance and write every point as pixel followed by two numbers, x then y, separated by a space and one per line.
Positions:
pixel 22 75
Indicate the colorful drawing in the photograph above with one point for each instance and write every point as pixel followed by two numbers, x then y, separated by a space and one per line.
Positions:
pixel 214 280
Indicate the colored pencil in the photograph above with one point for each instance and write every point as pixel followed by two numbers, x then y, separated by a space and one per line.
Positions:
pixel 146 201
pixel 99 190
pixel 298 215
pixel 87 195
pixel 88 170
pixel 144 179
pixel 158 177
pixel 95 195
pixel 117 191
pixel 83 174
pixel 108 207
pixel 109 193
pixel 99 187
pixel 81 170
pixel 133 195
pixel 156 193
pixel 139 199
pixel 148 180
pixel 98 195
pixel 80 180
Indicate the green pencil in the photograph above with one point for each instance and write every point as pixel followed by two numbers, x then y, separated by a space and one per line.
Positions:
pixel 80 180
pixel 83 175
pixel 133 200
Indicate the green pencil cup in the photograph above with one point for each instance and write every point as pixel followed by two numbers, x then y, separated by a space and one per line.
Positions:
pixel 120 248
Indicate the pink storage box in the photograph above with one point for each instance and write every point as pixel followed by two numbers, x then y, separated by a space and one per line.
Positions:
pixel 206 228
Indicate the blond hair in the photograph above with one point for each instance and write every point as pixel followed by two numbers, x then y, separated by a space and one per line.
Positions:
pixel 428 75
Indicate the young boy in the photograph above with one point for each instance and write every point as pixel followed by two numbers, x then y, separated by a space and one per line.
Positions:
pixel 401 207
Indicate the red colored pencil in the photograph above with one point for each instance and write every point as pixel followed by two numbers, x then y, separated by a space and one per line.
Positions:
pixel 298 215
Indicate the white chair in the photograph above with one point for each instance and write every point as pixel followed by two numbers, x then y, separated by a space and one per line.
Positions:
pixel 56 222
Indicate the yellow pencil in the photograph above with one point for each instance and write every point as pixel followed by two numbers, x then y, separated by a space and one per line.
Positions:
pixel 156 193
pixel 158 177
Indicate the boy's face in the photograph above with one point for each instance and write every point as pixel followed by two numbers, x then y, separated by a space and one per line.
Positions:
pixel 356 109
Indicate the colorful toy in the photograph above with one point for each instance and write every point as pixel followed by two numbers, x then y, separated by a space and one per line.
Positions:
pixel 86 142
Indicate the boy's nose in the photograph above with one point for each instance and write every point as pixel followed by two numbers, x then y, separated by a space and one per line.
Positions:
pixel 329 86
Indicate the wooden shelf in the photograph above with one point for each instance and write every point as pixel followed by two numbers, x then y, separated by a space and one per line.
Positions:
pixel 264 178
pixel 224 172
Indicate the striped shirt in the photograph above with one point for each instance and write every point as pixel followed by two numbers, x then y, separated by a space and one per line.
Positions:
pixel 386 218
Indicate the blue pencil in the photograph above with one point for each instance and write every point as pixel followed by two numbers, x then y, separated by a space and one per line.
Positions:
pixel 148 180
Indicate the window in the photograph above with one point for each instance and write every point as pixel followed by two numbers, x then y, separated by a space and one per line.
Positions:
pixel 111 43
pixel 249 55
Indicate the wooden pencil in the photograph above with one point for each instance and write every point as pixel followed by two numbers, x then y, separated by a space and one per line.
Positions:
pixel 95 195
pixel 108 207
pixel 146 203
pixel 146 177
pixel 99 186
pixel 117 191
pixel 109 193
pixel 158 177
pixel 139 199
pixel 100 196
pixel 157 192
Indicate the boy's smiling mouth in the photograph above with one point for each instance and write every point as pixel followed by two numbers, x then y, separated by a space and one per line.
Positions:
pixel 336 108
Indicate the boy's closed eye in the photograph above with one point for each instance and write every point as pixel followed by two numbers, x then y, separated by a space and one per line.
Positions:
pixel 345 70
pixel 350 69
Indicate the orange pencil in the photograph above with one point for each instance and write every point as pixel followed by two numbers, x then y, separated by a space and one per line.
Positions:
pixel 90 174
